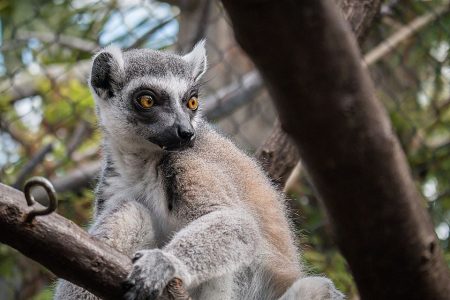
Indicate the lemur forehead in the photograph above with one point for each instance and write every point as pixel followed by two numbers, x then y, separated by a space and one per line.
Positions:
pixel 147 62
pixel 175 87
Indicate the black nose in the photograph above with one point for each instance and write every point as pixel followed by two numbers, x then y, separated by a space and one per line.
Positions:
pixel 185 134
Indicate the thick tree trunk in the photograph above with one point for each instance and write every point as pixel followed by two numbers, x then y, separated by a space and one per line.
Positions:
pixel 278 154
pixel 327 104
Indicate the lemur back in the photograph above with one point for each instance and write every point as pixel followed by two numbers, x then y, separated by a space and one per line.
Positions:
pixel 179 198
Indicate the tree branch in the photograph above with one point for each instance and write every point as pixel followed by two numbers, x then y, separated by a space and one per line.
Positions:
pixel 403 33
pixel 227 99
pixel 62 247
pixel 72 42
pixel 66 249
pixel 327 103
pixel 23 84
pixel 77 179
pixel 277 154
pixel 32 164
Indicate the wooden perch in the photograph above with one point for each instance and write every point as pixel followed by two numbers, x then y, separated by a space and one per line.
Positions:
pixel 66 249
pixel 327 104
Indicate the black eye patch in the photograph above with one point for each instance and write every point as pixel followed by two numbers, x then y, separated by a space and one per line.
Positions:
pixel 159 96
pixel 189 94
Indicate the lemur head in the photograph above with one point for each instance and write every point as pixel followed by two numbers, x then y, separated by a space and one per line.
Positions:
pixel 148 98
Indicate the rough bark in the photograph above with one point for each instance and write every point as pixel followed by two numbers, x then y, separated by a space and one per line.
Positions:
pixel 278 154
pixel 66 249
pixel 359 14
pixel 327 104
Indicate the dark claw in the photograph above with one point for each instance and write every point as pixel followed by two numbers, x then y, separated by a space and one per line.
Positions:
pixel 153 295
pixel 127 285
pixel 136 257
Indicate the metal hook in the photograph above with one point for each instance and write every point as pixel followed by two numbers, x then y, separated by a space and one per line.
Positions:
pixel 46 184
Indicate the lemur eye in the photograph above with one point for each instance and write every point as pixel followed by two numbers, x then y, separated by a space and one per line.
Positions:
pixel 192 104
pixel 145 101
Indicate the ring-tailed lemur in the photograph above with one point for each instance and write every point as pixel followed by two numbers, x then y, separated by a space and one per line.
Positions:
pixel 181 199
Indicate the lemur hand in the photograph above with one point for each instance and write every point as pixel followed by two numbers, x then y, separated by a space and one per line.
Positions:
pixel 152 271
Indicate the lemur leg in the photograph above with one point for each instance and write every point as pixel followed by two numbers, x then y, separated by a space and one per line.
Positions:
pixel 210 247
pixel 313 288
pixel 127 228
pixel 220 288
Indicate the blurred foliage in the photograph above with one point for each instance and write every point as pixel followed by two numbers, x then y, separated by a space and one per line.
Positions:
pixel 412 81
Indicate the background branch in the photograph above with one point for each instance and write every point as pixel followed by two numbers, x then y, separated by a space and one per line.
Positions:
pixel 32 164
pixel 23 84
pixel 403 33
pixel 72 42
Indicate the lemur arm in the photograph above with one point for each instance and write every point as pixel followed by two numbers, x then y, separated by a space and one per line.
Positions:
pixel 127 227
pixel 213 245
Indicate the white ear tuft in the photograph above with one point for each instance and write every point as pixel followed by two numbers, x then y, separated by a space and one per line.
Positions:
pixel 197 59
pixel 116 53
pixel 107 71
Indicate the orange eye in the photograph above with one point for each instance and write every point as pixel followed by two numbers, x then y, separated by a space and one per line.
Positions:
pixel 146 101
pixel 193 103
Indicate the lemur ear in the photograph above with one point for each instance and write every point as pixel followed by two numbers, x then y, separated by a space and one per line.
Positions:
pixel 197 59
pixel 107 72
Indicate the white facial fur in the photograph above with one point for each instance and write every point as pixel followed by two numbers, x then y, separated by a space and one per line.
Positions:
pixel 117 75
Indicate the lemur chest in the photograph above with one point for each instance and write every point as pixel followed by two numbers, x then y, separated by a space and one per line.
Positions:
pixel 159 187
pixel 177 190
pixel 151 193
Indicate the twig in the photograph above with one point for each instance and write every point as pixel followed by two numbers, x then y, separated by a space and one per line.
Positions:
pixel 76 179
pixel 31 165
pixel 402 34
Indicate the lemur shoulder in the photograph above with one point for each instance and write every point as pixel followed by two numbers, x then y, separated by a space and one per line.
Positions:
pixel 179 198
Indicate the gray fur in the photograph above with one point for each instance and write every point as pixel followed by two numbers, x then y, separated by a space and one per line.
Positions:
pixel 313 288
pixel 204 212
